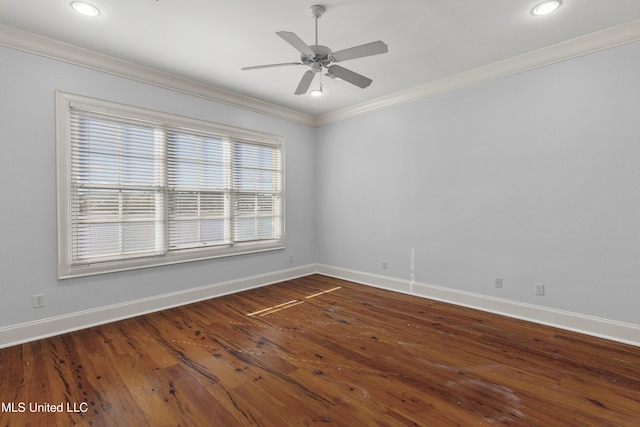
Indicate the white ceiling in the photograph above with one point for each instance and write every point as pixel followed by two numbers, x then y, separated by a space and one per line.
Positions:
pixel 210 40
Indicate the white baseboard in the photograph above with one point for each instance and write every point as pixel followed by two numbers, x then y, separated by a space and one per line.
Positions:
pixel 44 328
pixel 602 328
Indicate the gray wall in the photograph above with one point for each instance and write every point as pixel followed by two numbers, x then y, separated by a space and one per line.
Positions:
pixel 28 254
pixel 532 178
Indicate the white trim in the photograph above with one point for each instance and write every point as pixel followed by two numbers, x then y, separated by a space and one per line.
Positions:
pixel 605 39
pixel 608 38
pixel 49 48
pixel 44 328
pixel 602 328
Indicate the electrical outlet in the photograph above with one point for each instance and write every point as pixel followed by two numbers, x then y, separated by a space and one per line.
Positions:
pixel 290 258
pixel 538 288
pixel 498 282
pixel 385 264
pixel 38 301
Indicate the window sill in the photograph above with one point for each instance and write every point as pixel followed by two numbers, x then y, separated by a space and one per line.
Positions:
pixel 187 255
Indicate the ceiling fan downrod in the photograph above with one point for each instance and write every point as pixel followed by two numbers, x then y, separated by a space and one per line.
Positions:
pixel 316 11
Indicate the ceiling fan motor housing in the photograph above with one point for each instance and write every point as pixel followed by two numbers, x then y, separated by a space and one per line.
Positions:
pixel 321 57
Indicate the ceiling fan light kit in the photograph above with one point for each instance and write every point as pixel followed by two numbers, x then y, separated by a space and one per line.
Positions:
pixel 316 92
pixel 319 58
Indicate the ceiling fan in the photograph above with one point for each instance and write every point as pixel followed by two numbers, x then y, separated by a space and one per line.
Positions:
pixel 317 57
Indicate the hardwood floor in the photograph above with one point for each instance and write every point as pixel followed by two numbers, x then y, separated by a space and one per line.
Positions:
pixel 321 351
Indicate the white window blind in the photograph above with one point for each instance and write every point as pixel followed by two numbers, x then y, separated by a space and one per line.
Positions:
pixel 139 188
pixel 116 188
pixel 256 181
pixel 199 187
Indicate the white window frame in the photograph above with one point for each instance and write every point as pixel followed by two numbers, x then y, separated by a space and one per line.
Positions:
pixel 68 267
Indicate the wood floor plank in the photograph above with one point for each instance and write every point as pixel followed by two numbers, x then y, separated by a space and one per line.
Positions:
pixel 201 402
pixel 12 386
pixel 322 351
pixel 110 401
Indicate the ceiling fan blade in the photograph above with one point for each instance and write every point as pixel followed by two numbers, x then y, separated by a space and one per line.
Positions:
pixel 348 76
pixel 307 78
pixel 373 48
pixel 283 64
pixel 296 42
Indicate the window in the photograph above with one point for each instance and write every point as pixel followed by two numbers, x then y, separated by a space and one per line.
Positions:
pixel 138 188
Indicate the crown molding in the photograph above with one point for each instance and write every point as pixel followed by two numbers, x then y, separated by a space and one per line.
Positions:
pixel 608 38
pixel 28 42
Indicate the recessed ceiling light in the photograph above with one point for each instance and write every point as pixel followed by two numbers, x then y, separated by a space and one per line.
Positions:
pixel 546 7
pixel 84 8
